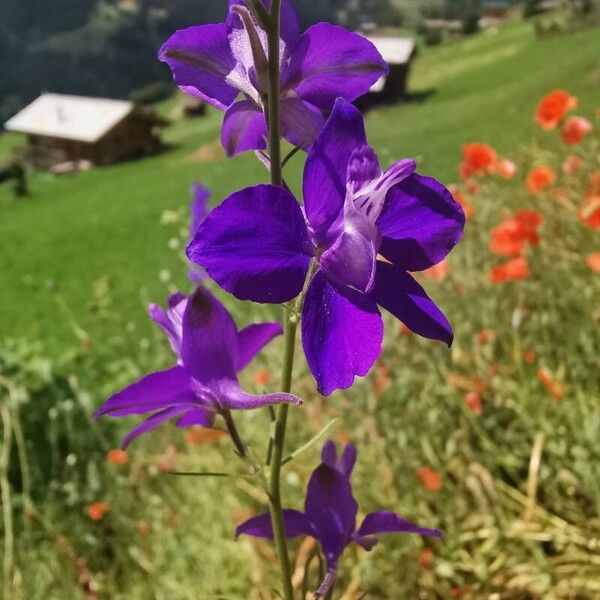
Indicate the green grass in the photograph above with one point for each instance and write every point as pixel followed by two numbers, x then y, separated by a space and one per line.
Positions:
pixel 513 530
pixel 75 230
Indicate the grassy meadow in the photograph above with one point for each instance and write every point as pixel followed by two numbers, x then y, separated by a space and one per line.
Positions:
pixel 493 441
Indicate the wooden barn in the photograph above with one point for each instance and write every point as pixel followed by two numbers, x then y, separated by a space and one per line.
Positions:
pixel 398 52
pixel 70 132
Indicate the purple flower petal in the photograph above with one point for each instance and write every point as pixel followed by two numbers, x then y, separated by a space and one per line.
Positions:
pixel 342 333
pixel 198 207
pixel 420 223
pixel 197 417
pixel 201 59
pixel 380 522
pixel 209 343
pixel 231 396
pixel 331 62
pixel 401 295
pixel 331 509
pixel 351 259
pixel 156 391
pixel 290 27
pixel 253 339
pixel 345 464
pixel 152 422
pixel 301 122
pixel 295 523
pixel 326 167
pixel 244 128
pixel 170 321
pixel 255 245
pixel 348 460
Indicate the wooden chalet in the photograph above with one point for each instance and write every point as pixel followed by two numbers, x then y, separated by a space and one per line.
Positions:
pixel 66 132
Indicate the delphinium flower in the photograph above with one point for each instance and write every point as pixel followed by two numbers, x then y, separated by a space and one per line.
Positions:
pixel 210 352
pixel 330 512
pixel 217 62
pixel 259 245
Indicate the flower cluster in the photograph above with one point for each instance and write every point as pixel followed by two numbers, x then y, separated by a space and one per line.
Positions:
pixel 329 515
pixel 341 256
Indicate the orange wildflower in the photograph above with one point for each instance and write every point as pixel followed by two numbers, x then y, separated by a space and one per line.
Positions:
pixel 506 168
pixel 143 528
pixel 553 387
pixel 514 270
pixel 197 436
pixel 382 380
pixel 575 129
pixel 425 558
pixel 529 356
pixel 261 378
pixel 539 179
pixel 571 164
pixel 478 158
pixel 553 107
pixel 485 336
pixel 510 237
pixel 437 272
pixel 472 187
pixel 589 213
pixel 118 457
pixel 430 480
pixel 97 510
pixel 467 207
pixel 593 261
pixel 473 401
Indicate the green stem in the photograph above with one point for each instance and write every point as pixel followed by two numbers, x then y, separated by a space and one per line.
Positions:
pixel 280 424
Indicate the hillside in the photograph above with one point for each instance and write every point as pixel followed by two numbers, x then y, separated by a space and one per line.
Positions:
pixel 72 232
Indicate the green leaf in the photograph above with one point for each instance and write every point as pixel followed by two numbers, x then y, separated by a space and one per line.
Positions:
pixel 308 444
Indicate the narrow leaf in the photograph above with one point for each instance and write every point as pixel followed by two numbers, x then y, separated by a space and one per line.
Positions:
pixel 308 444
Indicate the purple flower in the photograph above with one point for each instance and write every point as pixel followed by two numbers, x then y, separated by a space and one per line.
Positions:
pixel 210 352
pixel 218 61
pixel 198 211
pixel 330 514
pixel 258 245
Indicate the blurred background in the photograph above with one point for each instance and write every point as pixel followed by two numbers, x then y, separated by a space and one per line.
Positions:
pixel 494 441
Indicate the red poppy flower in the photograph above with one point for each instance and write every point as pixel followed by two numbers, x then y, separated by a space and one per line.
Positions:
pixel 589 213
pixel 593 262
pixel 514 270
pixel 430 480
pixel 117 457
pixel 506 168
pixel 529 356
pixel 575 129
pixel 473 401
pixel 485 336
pixel 553 107
pixel 571 164
pixel 511 236
pixel 539 179
pixel 425 558
pixel 97 510
pixel 478 158
pixel 553 387
pixel 261 378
